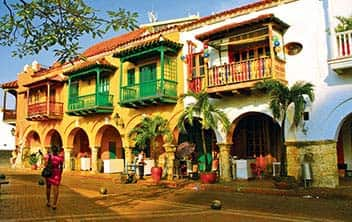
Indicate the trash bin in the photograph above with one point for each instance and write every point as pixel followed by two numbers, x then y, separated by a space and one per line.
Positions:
pixel 72 162
pixel 306 174
pixel 233 166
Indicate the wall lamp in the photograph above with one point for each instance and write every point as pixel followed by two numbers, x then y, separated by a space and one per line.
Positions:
pixel 118 120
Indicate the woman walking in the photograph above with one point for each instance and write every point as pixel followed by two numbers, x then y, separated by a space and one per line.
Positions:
pixel 54 181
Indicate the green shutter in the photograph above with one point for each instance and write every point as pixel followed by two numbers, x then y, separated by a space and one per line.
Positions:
pixel 147 77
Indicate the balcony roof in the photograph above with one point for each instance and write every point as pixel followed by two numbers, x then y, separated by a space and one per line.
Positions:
pixel 9 85
pixel 148 45
pixel 227 28
pixel 84 66
pixel 59 78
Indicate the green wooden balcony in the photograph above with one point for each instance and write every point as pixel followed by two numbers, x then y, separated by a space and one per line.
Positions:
pixel 90 104
pixel 149 93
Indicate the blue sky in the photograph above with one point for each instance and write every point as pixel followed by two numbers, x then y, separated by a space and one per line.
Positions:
pixel 164 9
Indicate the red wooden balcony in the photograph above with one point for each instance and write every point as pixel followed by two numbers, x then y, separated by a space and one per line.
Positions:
pixel 45 111
pixel 243 75
pixel 9 116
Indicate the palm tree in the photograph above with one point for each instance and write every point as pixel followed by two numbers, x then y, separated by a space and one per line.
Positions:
pixel 148 130
pixel 209 117
pixel 281 97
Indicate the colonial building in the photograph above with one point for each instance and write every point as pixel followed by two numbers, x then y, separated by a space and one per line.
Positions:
pixel 88 108
pixel 227 53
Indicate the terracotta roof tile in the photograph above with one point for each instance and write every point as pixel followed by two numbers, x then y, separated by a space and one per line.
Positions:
pixel 111 44
pixel 85 65
pixel 9 85
pixel 55 78
pixel 261 18
pixel 227 12
pixel 141 45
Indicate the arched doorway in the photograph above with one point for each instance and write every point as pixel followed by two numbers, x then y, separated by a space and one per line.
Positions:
pixel 81 152
pixel 256 137
pixel 344 148
pixel 32 146
pixel 111 155
pixel 53 138
pixel 256 134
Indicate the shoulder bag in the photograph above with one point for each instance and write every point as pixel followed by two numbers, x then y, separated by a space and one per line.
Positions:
pixel 48 170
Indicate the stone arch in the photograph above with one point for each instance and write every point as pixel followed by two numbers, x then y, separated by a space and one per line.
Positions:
pixel 335 119
pixel 253 134
pixel 109 142
pixel 79 141
pixel 53 137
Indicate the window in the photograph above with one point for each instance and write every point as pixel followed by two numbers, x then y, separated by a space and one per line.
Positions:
pixel 104 84
pixel 74 89
pixel 198 65
pixel 248 52
pixel 148 73
pixel 147 77
pixel 131 77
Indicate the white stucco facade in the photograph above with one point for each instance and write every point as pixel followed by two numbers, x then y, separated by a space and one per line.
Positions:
pixel 308 25
pixel 311 23
pixel 7 141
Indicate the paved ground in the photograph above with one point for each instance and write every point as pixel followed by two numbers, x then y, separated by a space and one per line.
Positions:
pixel 24 200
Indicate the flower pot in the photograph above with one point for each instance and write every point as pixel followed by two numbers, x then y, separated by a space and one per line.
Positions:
pixel 156 173
pixel 34 166
pixel 208 177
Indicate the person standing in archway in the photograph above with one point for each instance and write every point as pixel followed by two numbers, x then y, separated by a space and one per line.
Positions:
pixel 57 160
pixel 141 164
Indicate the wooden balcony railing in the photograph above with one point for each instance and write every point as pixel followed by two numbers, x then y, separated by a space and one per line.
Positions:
pixel 243 74
pixel 97 102
pixel 43 111
pixel 9 115
pixel 197 84
pixel 165 90
pixel 344 44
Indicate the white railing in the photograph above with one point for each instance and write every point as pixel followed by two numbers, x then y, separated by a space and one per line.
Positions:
pixel 344 43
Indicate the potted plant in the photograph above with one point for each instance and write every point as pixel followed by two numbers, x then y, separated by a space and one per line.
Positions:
pixel 145 135
pixel 281 97
pixel 209 117
pixel 33 160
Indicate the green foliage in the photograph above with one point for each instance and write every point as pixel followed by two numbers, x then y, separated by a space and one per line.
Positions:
pixel 281 96
pixel 39 25
pixel 33 159
pixel 344 25
pixel 209 116
pixel 148 130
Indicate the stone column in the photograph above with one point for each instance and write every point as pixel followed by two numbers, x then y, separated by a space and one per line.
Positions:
pixel 170 152
pixel 128 155
pixel 94 159
pixel 67 153
pixel 225 170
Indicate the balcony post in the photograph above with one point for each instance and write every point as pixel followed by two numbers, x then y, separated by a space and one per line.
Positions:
pixel 121 73
pixel 69 93
pixel 272 54
pixel 162 62
pixel 97 87
pixel 48 99
pixel 4 104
